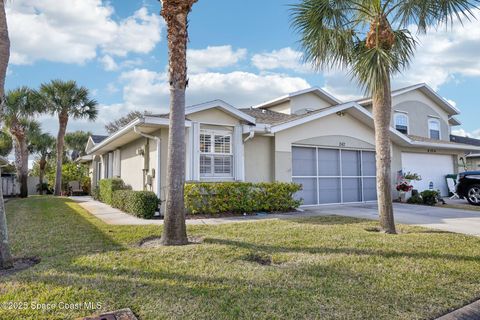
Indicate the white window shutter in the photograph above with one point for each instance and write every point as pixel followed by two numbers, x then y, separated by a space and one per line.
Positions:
pixel 110 165
pixel 239 154
pixel 195 154
pixel 116 164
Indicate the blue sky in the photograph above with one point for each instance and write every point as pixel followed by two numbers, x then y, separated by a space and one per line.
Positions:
pixel 241 51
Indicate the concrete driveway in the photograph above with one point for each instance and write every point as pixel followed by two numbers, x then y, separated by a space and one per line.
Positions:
pixel 453 220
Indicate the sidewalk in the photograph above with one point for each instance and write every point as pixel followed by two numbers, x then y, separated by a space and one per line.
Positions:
pixel 114 216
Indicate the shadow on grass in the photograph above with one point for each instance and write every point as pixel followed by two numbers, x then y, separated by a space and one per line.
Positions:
pixel 48 227
pixel 347 250
pixel 328 220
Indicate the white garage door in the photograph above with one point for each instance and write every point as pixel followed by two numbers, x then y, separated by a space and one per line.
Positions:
pixel 431 167
pixel 334 175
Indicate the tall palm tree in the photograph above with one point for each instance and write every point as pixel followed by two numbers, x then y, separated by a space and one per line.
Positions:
pixel 20 106
pixel 6 260
pixel 175 13
pixel 68 101
pixel 371 40
pixel 43 145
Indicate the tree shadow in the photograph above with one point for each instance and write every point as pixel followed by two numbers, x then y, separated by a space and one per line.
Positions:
pixel 342 250
pixel 328 220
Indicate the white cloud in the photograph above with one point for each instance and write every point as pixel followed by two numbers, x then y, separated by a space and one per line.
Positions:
pixel 108 63
pixel 74 31
pixel 149 90
pixel 215 57
pixel 285 58
pixel 461 132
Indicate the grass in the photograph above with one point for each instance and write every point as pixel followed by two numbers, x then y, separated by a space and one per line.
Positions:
pixel 326 267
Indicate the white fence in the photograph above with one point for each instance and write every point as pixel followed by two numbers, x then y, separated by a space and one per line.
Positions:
pixel 11 186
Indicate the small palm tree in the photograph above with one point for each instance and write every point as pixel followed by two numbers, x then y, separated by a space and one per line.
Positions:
pixel 371 40
pixel 43 145
pixel 175 13
pixel 68 101
pixel 19 108
pixel 76 143
pixel 6 260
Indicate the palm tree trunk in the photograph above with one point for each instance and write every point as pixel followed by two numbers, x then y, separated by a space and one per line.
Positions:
pixel 6 260
pixel 63 121
pixel 23 172
pixel 41 174
pixel 175 13
pixel 382 111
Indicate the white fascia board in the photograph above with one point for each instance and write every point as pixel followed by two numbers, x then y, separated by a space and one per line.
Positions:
pixel 118 134
pixel 223 105
pixel 473 155
pixel 162 121
pixel 444 145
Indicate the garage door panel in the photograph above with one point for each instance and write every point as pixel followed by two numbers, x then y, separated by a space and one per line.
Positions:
pixel 328 162
pixel 309 190
pixel 304 162
pixel 369 164
pixel 329 190
pixel 352 189
pixel 431 167
pixel 351 163
pixel 370 189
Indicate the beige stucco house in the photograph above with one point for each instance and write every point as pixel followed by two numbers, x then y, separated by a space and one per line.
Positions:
pixel 309 137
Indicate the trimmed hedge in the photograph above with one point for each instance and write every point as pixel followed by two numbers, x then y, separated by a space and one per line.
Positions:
pixel 240 197
pixel 107 187
pixel 142 204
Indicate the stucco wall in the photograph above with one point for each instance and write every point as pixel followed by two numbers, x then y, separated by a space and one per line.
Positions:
pixel 214 116
pixel 419 109
pixel 307 101
pixel 259 163
pixel 131 164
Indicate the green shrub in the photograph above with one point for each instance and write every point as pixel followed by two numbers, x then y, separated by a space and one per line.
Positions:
pixel 240 197
pixel 416 199
pixel 142 204
pixel 96 193
pixel 430 197
pixel 108 187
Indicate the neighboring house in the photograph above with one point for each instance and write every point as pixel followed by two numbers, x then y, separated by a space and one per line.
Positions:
pixel 472 160
pixel 309 137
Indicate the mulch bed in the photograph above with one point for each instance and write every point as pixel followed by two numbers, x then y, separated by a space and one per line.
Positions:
pixel 20 264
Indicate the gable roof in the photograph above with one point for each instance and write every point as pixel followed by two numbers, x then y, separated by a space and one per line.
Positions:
pixel 226 107
pixel 269 117
pixel 319 92
pixel 425 89
pixel 97 138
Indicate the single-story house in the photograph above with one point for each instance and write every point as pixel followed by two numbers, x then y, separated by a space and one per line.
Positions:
pixel 308 137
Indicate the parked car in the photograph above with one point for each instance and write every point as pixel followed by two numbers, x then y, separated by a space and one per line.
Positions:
pixel 468 186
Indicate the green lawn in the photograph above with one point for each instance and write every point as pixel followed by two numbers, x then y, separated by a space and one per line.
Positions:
pixel 324 268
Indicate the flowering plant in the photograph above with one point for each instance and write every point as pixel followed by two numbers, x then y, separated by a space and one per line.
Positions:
pixel 404 186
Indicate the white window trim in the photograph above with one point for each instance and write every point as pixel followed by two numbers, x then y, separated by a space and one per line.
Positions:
pixel 434 120
pixel 403 114
pixel 213 133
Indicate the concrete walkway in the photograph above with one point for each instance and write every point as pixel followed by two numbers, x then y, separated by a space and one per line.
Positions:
pixel 446 219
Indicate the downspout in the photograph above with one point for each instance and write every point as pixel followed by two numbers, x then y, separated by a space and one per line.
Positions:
pixel 250 135
pixel 159 160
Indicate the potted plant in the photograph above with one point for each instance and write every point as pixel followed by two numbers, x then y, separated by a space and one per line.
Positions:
pixel 403 188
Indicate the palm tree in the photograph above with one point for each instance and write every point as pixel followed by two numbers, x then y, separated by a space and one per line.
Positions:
pixel 175 13
pixel 6 260
pixel 42 144
pixel 66 100
pixel 371 40
pixel 76 143
pixel 20 106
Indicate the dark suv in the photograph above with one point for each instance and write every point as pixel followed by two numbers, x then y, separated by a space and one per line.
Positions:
pixel 468 186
